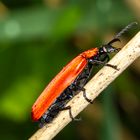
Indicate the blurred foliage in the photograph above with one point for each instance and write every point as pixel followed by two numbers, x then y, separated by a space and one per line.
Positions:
pixel 37 38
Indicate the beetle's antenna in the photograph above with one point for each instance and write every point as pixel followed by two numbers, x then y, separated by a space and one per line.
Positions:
pixel 113 40
pixel 125 29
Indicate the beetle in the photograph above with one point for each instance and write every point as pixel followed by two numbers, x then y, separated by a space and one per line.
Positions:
pixel 71 80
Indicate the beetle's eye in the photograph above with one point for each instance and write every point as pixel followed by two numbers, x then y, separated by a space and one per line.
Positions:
pixel 105 49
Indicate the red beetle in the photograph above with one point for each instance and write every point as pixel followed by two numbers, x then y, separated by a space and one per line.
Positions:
pixel 70 80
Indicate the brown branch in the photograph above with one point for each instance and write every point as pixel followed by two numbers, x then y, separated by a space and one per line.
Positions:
pixel 94 87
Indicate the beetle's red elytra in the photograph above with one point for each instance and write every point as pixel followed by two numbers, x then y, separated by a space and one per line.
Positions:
pixel 62 80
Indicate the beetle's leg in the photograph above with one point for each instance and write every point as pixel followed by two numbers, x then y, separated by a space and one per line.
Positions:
pixel 103 63
pixel 41 122
pixel 106 58
pixel 84 94
pixel 70 113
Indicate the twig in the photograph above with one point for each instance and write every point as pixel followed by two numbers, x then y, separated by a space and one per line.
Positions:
pixel 95 86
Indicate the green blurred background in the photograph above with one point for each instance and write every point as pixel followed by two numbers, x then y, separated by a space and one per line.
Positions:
pixel 38 37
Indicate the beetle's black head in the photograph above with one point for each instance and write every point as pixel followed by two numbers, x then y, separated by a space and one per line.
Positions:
pixel 108 48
